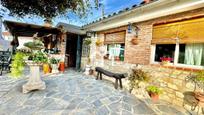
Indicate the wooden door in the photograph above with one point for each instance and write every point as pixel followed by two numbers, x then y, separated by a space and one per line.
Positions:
pixel 71 49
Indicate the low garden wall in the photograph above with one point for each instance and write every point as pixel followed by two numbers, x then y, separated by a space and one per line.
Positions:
pixel 171 80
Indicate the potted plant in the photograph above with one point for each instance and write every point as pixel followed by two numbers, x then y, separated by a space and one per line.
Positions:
pixel 54 64
pixel 198 79
pixel 35 59
pixel 134 40
pixel 99 42
pixel 87 41
pixel 136 77
pixel 154 92
pixel 165 60
pixel 88 70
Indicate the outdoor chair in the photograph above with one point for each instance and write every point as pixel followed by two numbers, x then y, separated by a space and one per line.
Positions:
pixel 5 61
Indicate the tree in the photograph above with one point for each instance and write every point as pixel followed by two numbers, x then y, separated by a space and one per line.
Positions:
pixel 48 9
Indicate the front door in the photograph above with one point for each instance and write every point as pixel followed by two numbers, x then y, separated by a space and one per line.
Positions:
pixel 71 49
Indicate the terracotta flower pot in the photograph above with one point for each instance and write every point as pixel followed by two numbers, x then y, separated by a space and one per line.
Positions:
pixel 91 72
pixel 199 96
pixel 154 96
pixel 61 66
pixel 117 58
pixel 134 41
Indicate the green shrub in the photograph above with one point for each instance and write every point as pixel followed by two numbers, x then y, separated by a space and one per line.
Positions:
pixel 54 61
pixel 154 89
pixel 39 57
pixel 137 76
pixel 197 78
pixel 17 65
pixel 87 41
pixel 35 45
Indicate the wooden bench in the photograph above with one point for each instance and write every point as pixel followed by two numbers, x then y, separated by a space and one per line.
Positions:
pixel 118 76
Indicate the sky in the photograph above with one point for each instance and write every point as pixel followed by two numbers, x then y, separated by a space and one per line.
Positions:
pixel 110 7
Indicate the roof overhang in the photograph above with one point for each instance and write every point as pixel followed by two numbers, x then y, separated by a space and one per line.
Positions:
pixel 28 30
pixel 150 11
pixel 72 28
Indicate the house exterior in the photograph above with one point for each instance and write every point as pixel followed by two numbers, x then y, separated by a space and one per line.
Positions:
pixel 5 41
pixel 7 36
pixel 143 34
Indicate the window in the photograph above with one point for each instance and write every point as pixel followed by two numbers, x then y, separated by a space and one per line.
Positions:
pixel 191 54
pixel 116 51
pixel 187 39
pixel 166 50
pixel 188 54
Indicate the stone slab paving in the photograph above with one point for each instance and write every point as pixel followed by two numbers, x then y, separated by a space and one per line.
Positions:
pixel 73 93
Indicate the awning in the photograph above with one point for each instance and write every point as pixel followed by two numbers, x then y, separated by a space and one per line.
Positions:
pixel 188 31
pixel 116 37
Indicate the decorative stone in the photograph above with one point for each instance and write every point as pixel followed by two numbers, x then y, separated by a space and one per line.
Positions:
pixel 87 69
pixel 34 81
pixel 190 86
pixel 172 86
pixel 179 94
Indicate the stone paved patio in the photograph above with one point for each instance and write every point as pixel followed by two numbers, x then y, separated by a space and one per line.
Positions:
pixel 74 94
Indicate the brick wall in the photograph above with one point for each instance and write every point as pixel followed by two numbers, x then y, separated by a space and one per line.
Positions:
pixel 140 53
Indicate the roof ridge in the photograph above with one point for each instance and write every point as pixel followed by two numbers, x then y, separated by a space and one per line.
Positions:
pixel 134 6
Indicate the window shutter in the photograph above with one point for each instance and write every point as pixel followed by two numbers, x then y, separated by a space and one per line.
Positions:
pixel 116 37
pixel 188 31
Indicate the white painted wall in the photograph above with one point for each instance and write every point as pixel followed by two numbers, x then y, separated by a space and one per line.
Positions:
pixel 23 40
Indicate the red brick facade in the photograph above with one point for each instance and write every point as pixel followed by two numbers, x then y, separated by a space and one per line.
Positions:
pixel 140 53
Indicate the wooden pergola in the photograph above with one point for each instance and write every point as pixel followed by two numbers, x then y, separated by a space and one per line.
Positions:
pixel 28 30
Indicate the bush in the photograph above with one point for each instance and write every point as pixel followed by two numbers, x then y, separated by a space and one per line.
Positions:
pixel 17 65
pixel 39 57
pixel 197 78
pixel 137 76
pixel 54 61
pixel 87 41
pixel 154 89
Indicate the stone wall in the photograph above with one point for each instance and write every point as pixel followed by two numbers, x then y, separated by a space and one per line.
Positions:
pixel 170 80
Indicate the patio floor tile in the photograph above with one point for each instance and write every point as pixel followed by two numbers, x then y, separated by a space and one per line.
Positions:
pixel 71 93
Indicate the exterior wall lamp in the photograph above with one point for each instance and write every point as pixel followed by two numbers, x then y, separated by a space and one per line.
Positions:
pixel 90 33
pixel 132 29
pixel 129 28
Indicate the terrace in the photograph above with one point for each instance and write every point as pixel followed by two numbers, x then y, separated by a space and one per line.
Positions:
pixel 144 59
pixel 75 93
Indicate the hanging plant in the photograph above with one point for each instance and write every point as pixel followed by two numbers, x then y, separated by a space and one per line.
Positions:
pixel 99 42
pixel 134 40
pixel 87 41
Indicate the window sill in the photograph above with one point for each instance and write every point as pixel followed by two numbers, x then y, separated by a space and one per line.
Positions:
pixel 114 60
pixel 178 67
